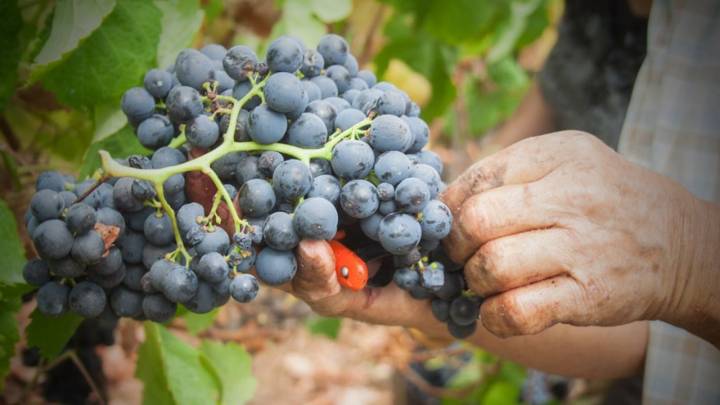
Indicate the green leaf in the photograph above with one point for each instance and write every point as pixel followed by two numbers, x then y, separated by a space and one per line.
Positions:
pixel 11 249
pixel 50 334
pixel 181 20
pixel 172 371
pixel 510 31
pixel 112 59
pixel 298 20
pixel 10 302
pixel 73 21
pixel 213 9
pixel 329 327
pixel 10 27
pixel 121 144
pixel 330 11
pixel 197 323
pixel 233 367
pixel 109 119
pixel 502 393
pixel 464 21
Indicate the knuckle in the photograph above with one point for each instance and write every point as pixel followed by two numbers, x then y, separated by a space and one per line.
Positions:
pixel 516 316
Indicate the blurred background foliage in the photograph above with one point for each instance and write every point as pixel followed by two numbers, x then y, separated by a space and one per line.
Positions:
pixel 66 63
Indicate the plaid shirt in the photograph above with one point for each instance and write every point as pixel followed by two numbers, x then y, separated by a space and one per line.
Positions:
pixel 673 127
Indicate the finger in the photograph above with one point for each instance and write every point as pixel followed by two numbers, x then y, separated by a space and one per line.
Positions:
pixel 531 309
pixel 315 278
pixel 496 213
pixel 522 162
pixel 517 260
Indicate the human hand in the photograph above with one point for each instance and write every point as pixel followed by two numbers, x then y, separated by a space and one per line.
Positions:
pixel 561 229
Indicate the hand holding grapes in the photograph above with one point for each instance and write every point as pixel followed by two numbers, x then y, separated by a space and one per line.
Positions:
pixel 560 229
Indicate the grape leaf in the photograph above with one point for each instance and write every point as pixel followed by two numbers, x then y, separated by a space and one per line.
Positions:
pixel 197 323
pixel 181 20
pixel 465 21
pixel 11 249
pixel 73 21
pixel 171 370
pixel 330 11
pixel 120 144
pixel 112 59
pixel 298 20
pixel 329 327
pixel 109 119
pixel 10 302
pixel 50 334
pixel 10 26
pixel 510 31
pixel 233 367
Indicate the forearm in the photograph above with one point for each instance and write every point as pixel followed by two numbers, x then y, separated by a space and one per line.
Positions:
pixel 695 302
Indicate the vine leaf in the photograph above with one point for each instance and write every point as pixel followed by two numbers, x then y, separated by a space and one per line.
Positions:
pixel 50 334
pixel 73 21
pixel 298 20
pixel 325 326
pixel 172 371
pixel 10 302
pixel 108 119
pixel 233 367
pixel 10 26
pixel 197 323
pixel 181 20
pixel 111 59
pixel 11 249
pixel 330 11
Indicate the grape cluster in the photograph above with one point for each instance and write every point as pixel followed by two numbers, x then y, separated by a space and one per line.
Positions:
pixel 293 147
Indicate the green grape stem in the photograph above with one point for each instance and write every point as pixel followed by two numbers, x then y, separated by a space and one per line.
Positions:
pixel 112 168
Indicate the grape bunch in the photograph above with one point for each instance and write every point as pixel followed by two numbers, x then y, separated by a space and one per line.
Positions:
pixel 248 158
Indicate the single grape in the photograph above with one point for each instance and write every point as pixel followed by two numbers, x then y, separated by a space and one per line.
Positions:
pixel 88 248
pixel 392 167
pixel 291 180
pixel 311 89
pixel 406 278
pixel 158 82
pixel 348 117
pixel 359 199
pixel 52 298
pixel 179 284
pixel 388 132
pixel 431 159
pixel 461 331
pixel 391 102
pixel 111 217
pixel 193 68
pixel 46 204
pixel 126 303
pixel 108 264
pixel 333 48
pixel 110 281
pixel 215 52
pixel 387 207
pixel 279 233
pixel 284 54
pixel 352 159
pixel 137 104
pixel 131 245
pixel 133 276
pixel 340 75
pixel 268 161
pixel 411 195
pixel 87 299
pixel 68 197
pixel 158 229
pixel 325 186
pixel 367 100
pixel 157 308
pixel 370 225
pixel 202 132
pixel 215 240
pixel 429 176
pixel 399 233
pixel 266 126
pixel 433 276
pixel 351 64
pixel 152 253
pixel 256 198
pixel 80 218
pixel 239 61
pixel 244 288
pixel 420 131
pixel 436 220
pixel 452 287
pixel 367 76
pixel 386 191
pixel 204 299
pixel 188 216
pixel 36 272
pixel 464 310
pixel 183 104
pixel 440 309
pixel 50 180
pixel 165 157
pixel 212 267
pixel 123 196
pixel 275 267
pixel 247 169
pixel 338 104
pixel 52 239
pixel 327 86
pixel 316 218
pixel 308 131
pixel 312 64
pixel 284 92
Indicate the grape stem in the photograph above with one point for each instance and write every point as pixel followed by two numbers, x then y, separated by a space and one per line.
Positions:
pixel 112 168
